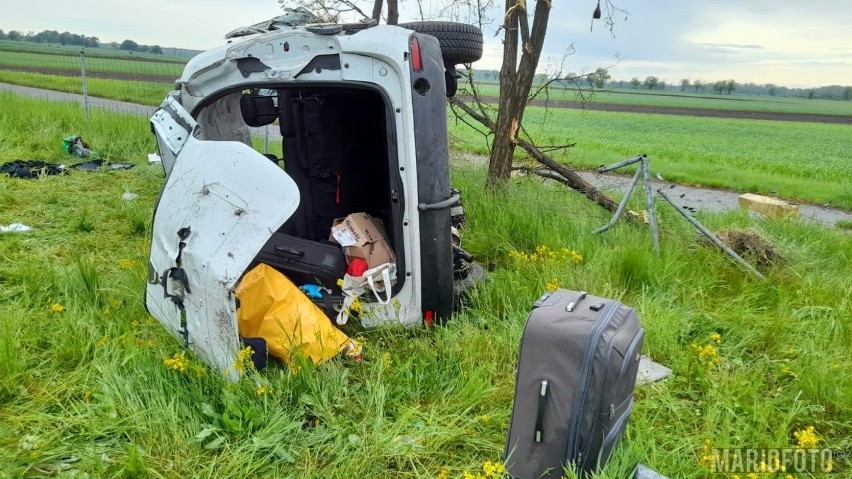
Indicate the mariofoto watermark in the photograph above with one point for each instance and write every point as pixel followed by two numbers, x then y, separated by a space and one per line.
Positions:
pixel 774 460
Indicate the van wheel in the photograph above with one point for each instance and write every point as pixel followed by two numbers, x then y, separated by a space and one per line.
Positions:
pixel 460 42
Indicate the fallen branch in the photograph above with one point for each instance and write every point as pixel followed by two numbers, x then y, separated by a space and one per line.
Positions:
pixel 563 174
pixel 572 179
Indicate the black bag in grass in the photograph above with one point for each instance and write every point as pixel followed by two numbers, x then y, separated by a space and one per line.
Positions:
pixel 31 169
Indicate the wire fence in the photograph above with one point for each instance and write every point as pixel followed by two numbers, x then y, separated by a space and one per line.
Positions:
pixel 118 82
pixel 99 80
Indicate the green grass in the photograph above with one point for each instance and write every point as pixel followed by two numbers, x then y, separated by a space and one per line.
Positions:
pixel 806 162
pixel 74 50
pixel 711 101
pixel 142 92
pixel 85 390
pixel 93 64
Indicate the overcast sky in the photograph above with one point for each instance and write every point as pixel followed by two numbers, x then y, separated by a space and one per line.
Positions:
pixel 800 44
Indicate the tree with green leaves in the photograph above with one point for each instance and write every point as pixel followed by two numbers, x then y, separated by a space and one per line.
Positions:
pixel 599 77
pixel 651 82
pixel 129 45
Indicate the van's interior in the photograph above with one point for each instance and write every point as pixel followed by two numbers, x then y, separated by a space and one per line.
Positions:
pixel 337 144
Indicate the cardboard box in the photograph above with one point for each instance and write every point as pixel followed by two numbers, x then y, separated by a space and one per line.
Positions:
pixel 362 236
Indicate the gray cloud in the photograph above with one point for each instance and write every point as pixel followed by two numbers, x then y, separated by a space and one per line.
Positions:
pixel 673 39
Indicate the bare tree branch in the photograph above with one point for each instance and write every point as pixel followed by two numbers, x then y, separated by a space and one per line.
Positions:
pixel 572 179
pixel 481 118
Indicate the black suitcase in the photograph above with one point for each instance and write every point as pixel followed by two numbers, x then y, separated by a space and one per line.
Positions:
pixel 579 358
pixel 306 262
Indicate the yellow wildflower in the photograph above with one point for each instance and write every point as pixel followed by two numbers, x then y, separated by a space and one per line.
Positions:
pixel 493 469
pixel 552 285
pixel 243 361
pixel 806 438
pixel 707 354
pixel 57 308
pixel 178 362
pixel 261 390
pixel 388 360
pixel 128 264
pixel 544 255
pixel 716 338
pixel 443 474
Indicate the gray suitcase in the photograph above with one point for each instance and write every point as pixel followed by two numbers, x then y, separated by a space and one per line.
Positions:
pixel 579 358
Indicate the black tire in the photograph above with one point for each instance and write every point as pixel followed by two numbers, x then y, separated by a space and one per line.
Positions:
pixel 460 42
pixel 462 287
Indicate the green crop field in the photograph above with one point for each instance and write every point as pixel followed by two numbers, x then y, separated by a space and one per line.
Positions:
pixel 93 64
pixel 707 101
pixel 74 50
pixel 85 390
pixel 802 161
pixel 142 92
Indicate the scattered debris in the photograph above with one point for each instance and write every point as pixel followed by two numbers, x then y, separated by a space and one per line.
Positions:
pixel 644 472
pixel 750 245
pixel 94 165
pixel 768 207
pixel 31 169
pixel 14 228
pixel 75 146
pixel 154 158
pixel 650 371
pixel 644 170
pixel 128 196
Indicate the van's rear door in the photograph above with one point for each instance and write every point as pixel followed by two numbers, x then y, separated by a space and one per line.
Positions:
pixel 221 203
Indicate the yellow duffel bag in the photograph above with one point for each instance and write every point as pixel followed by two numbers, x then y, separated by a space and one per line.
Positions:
pixel 271 307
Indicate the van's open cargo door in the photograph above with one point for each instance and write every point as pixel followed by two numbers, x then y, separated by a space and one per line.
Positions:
pixel 220 204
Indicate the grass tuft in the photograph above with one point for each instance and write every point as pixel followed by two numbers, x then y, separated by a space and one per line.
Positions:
pixel 83 371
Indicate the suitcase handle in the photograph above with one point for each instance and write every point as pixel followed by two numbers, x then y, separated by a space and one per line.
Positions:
pixel 290 251
pixel 539 417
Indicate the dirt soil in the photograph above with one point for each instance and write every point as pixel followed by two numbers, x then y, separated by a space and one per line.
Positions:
pixel 661 110
pixel 701 112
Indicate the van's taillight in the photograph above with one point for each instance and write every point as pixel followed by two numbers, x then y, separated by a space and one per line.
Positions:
pixel 416 59
pixel 429 317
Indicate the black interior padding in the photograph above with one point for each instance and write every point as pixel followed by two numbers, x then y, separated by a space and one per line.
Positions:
pixel 258 110
pixel 336 150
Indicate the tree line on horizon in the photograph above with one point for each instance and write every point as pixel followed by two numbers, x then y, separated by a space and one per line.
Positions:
pixel 67 38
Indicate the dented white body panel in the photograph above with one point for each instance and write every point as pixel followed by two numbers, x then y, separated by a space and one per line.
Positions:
pixel 212 218
pixel 232 199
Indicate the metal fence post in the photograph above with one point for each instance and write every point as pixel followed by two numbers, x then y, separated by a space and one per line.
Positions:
pixel 85 85
pixel 649 199
pixel 266 140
